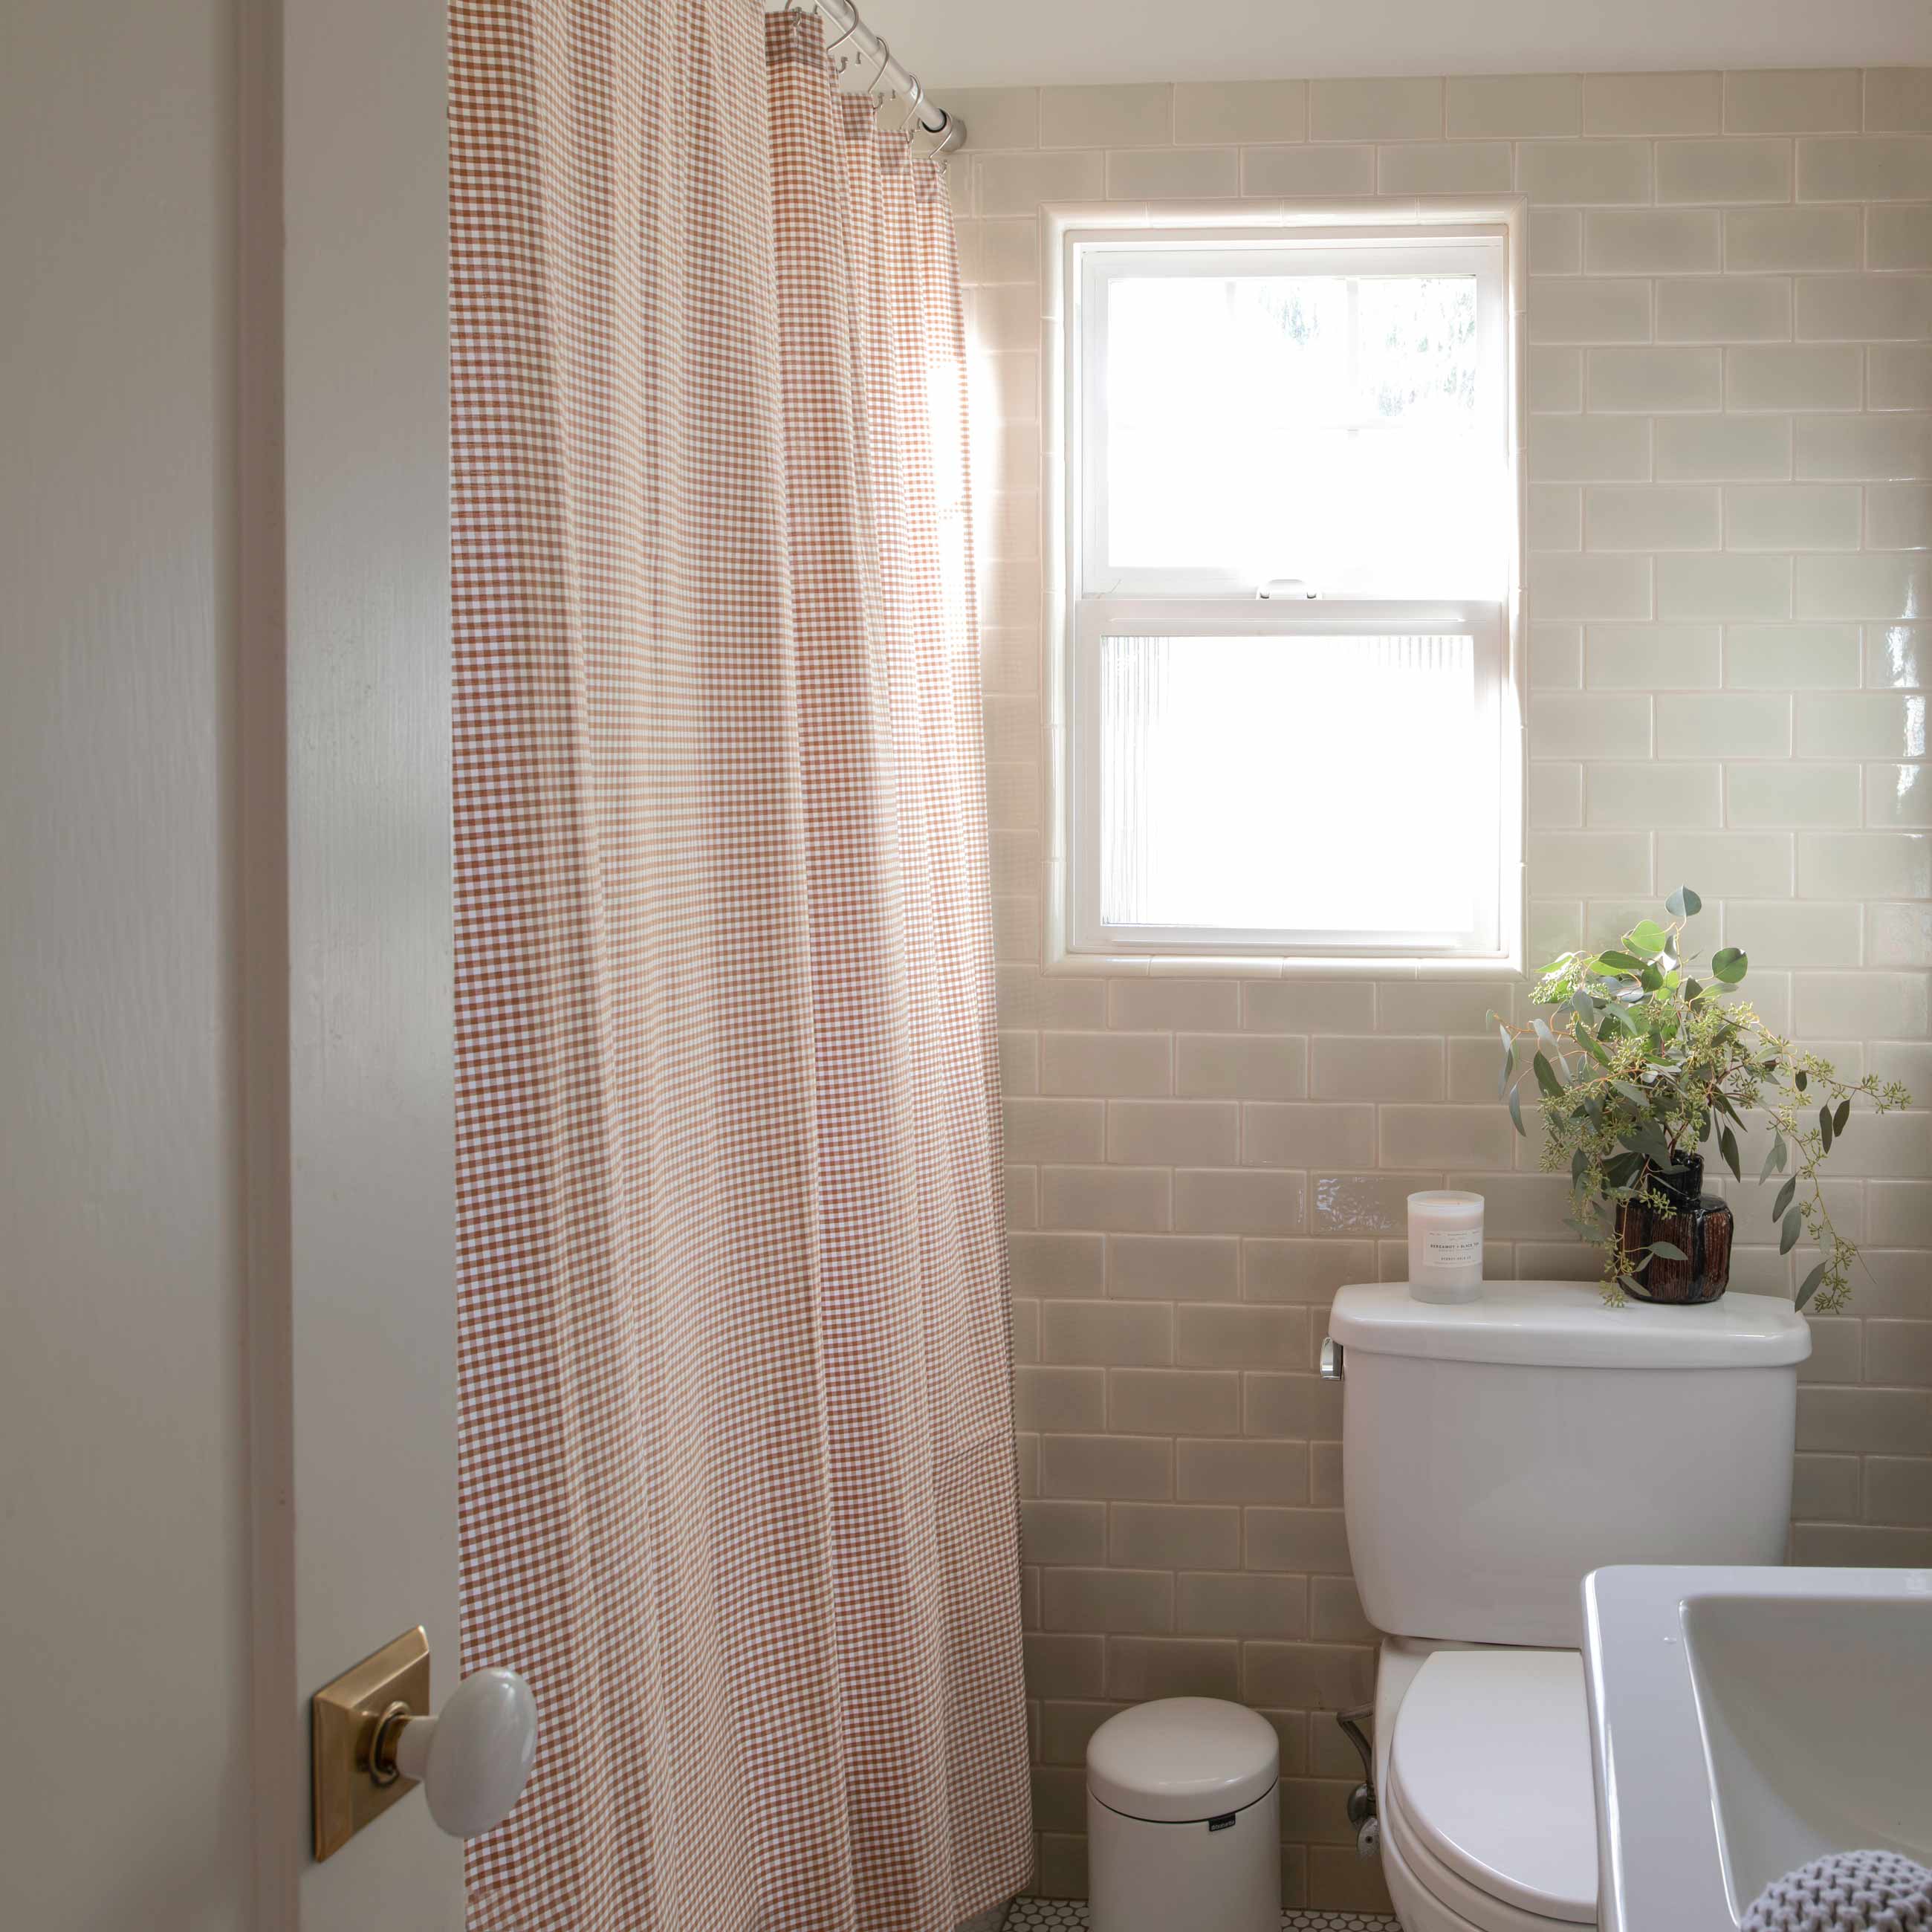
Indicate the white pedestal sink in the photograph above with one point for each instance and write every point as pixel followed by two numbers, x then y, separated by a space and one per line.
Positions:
pixel 1745 1721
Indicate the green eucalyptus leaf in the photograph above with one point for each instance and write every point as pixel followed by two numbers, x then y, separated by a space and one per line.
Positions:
pixel 1774 1160
pixel 1811 1284
pixel 1825 1127
pixel 1784 1199
pixel 1794 1226
pixel 1619 962
pixel 1843 1115
pixel 1546 1078
pixel 1729 965
pixel 1669 1250
pixel 1624 1091
pixel 1653 980
pixel 1693 992
pixel 1727 1146
pixel 1578 1164
pixel 1515 1112
pixel 1799 1080
pixel 1683 903
pixel 1647 938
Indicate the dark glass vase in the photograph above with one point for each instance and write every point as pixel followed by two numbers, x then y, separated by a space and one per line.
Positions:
pixel 1698 1223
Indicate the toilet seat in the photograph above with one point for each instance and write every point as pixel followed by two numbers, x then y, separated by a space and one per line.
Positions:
pixel 1430 1897
pixel 1490 1805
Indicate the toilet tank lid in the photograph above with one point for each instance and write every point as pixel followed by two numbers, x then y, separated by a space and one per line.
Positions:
pixel 1179 1760
pixel 1565 1325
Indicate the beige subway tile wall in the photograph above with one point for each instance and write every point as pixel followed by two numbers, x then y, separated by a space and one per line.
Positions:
pixel 1729 372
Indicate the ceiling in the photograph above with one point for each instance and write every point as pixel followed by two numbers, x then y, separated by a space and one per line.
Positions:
pixel 1009 43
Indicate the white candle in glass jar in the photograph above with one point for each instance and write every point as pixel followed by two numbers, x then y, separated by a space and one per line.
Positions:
pixel 1445 1245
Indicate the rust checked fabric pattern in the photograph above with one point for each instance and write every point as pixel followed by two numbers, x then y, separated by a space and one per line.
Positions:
pixel 738 1486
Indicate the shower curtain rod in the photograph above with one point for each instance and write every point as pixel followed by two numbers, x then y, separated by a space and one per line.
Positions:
pixel 851 35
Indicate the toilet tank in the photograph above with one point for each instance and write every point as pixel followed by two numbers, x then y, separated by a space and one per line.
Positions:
pixel 1496 1452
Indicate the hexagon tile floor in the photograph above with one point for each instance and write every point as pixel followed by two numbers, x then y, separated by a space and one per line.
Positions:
pixel 1070 1915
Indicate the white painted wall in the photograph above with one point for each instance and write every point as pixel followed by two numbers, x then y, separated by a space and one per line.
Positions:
pixel 124 1789
pixel 1004 43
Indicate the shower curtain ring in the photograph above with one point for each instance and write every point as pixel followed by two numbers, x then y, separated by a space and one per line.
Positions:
pixel 913 100
pixel 885 61
pixel 833 46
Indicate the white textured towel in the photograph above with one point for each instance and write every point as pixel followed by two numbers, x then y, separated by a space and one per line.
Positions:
pixel 1849 1891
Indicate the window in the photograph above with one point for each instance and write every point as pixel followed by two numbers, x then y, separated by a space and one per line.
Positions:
pixel 1293 525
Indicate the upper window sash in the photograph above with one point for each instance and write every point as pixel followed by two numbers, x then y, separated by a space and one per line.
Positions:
pixel 1479 255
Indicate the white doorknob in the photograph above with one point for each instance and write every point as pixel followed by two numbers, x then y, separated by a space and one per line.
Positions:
pixel 473 1758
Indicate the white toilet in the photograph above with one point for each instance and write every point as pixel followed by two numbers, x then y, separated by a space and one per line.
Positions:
pixel 1495 1453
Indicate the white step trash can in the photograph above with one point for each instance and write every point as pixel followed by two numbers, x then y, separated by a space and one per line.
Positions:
pixel 1183 1820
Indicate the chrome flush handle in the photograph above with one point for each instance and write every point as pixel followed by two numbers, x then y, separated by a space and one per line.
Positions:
pixel 1331 1359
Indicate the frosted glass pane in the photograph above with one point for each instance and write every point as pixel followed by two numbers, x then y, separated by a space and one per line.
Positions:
pixel 1317 426
pixel 1291 783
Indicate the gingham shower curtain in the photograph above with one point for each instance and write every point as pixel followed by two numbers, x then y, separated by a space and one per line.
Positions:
pixel 736 1457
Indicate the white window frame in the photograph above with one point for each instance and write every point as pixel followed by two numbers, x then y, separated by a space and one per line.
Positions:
pixel 1105 601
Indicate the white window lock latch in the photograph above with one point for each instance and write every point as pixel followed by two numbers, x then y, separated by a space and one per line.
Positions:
pixel 1285 587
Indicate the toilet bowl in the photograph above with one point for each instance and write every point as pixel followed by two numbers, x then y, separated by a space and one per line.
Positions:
pixel 1494 1454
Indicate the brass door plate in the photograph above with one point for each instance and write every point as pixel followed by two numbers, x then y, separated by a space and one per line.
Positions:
pixel 342 1727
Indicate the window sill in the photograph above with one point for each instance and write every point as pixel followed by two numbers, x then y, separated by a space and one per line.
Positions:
pixel 1265 966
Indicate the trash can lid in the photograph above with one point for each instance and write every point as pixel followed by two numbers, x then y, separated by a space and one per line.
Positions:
pixel 1181 1760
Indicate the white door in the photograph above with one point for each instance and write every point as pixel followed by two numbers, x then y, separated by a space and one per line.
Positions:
pixel 227 1358
pixel 355 1237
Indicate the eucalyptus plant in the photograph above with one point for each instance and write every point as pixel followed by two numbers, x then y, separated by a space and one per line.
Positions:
pixel 1639 1063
